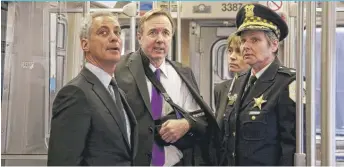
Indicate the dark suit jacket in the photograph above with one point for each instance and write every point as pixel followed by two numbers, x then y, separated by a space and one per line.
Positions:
pixel 221 100
pixel 264 136
pixel 131 78
pixel 86 128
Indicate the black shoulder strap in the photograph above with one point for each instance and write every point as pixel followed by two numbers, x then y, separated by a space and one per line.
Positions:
pixel 149 73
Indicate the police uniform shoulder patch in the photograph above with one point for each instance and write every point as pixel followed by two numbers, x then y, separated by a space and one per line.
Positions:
pixel 292 91
pixel 286 70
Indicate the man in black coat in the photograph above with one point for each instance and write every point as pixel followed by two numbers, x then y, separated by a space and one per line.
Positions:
pixel 155 33
pixel 92 123
pixel 261 127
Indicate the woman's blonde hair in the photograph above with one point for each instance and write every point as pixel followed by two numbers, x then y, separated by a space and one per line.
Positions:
pixel 234 40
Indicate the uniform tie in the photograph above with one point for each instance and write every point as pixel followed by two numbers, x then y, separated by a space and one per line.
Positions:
pixel 251 82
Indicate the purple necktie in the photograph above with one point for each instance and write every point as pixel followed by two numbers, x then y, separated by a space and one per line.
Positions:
pixel 158 153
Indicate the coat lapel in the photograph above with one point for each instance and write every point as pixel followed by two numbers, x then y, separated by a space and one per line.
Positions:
pixel 223 103
pixel 184 75
pixel 191 84
pixel 136 68
pixel 240 84
pixel 262 84
pixel 106 98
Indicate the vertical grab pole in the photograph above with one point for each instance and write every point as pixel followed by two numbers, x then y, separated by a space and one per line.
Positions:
pixel 179 34
pixel 310 83
pixel 300 157
pixel 328 81
pixel 132 31
pixel 87 7
pixel 85 12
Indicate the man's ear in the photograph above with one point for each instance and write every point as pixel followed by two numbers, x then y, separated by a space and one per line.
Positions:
pixel 139 37
pixel 85 45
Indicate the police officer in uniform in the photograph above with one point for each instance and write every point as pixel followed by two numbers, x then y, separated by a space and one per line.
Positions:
pixel 224 95
pixel 260 129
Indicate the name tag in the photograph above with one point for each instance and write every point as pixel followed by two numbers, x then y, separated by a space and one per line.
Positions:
pixel 197 113
pixel 254 113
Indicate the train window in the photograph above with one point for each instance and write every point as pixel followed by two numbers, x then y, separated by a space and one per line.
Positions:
pixel 125 36
pixel 60 41
pixel 339 81
pixel 220 59
pixel 4 6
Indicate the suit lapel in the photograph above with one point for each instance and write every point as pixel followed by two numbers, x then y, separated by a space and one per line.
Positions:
pixel 262 84
pixel 106 98
pixel 183 73
pixel 188 79
pixel 136 68
pixel 223 103
pixel 241 82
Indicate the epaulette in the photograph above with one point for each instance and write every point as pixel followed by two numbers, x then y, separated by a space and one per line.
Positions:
pixel 286 70
pixel 292 91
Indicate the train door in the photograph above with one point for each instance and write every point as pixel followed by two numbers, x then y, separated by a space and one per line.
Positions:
pixel 209 62
pixel 42 54
pixel 291 61
pixel 24 86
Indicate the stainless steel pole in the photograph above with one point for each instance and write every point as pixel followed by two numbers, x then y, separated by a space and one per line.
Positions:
pixel 328 81
pixel 132 32
pixel 300 157
pixel 310 83
pixel 179 33
pixel 86 9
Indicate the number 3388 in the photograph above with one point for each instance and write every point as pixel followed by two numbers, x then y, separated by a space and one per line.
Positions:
pixel 231 6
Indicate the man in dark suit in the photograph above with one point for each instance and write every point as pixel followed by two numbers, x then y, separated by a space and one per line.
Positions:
pixel 92 123
pixel 224 93
pixel 155 33
pixel 261 128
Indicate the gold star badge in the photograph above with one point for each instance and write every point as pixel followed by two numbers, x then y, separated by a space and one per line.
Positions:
pixel 259 101
pixel 232 98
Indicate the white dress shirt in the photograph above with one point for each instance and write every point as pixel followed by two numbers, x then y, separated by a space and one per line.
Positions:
pixel 180 95
pixel 260 73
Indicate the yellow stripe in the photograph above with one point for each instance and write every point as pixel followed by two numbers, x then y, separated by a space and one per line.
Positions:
pixel 259 24
pixel 255 27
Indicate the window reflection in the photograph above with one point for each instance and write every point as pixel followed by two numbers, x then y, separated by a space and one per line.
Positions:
pixel 339 80
pixel 125 36
pixel 220 62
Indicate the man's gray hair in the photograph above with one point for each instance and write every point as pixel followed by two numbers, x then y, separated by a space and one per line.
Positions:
pixel 87 22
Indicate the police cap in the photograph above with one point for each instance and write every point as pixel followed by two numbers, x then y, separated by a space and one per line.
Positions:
pixel 260 17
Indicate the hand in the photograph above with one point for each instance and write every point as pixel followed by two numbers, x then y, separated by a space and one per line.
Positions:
pixel 172 130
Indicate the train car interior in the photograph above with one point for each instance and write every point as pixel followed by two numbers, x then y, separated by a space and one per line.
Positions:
pixel 40 52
